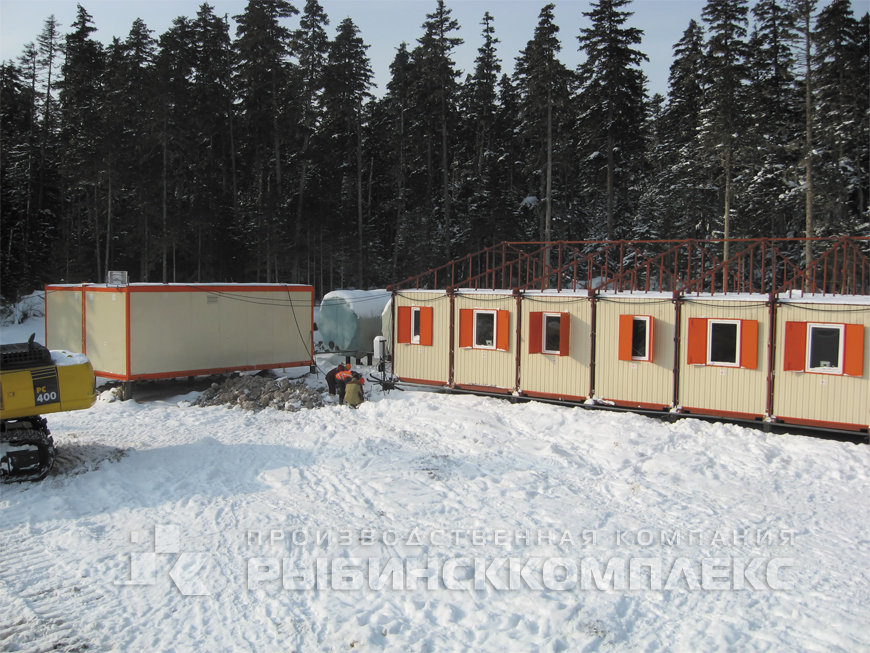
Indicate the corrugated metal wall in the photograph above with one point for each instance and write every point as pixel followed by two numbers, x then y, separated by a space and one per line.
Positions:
pixel 197 330
pixel 106 330
pixel 560 376
pixel 727 389
pixel 421 362
pixel 485 367
pixel 63 319
pixel 815 396
pixel 635 382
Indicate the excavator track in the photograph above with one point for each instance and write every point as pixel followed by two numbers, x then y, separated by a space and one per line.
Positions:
pixel 27 450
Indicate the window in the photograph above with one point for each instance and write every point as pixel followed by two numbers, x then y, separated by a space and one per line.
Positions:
pixel 484 329
pixel 635 338
pixel 549 333
pixel 825 348
pixel 414 325
pixel 722 343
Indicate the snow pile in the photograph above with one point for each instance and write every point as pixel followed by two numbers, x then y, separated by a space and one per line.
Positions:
pixel 30 306
pixel 62 358
pixel 261 391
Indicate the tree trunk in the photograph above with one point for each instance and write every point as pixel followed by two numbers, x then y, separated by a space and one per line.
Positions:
pixel 727 221
pixel 164 201
pixel 810 229
pixel 359 200
pixel 610 170
pixel 444 172
pixel 548 207
pixel 109 221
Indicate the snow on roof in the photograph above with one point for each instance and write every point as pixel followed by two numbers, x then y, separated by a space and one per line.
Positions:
pixel 193 286
pixel 798 296
pixel 429 290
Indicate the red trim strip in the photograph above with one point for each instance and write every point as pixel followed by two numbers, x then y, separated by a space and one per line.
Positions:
pixel 220 370
pixel 548 395
pixel 727 414
pixel 485 388
pixel 84 323
pixel 127 318
pixel 637 404
pixel 191 288
pixel 422 381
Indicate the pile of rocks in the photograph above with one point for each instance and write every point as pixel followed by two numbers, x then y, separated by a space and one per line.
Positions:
pixel 258 392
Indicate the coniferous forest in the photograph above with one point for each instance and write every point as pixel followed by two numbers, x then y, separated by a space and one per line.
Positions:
pixel 263 155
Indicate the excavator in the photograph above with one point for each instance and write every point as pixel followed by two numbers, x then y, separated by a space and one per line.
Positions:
pixel 35 381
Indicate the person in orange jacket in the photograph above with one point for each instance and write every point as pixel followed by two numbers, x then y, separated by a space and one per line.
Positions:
pixel 330 378
pixel 341 379
pixel 353 390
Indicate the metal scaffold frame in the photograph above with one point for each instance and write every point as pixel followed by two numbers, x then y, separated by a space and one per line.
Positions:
pixel 680 267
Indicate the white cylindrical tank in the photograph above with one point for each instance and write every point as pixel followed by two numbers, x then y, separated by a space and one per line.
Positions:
pixel 350 319
pixel 379 347
pixel 387 325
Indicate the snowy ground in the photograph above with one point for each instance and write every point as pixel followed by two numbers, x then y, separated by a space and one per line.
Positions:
pixel 166 527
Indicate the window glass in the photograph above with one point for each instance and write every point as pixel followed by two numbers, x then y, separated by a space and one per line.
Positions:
pixel 415 325
pixel 638 338
pixel 552 333
pixel 484 329
pixel 824 347
pixel 723 343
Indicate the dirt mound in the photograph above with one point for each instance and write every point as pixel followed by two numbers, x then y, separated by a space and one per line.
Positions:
pixel 258 392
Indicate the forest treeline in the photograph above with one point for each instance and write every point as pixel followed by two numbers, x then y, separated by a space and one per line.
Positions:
pixel 264 155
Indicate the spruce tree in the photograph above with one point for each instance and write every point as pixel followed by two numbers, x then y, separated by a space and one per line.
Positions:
pixel 804 12
pixel 215 203
pixel 82 119
pixel 726 74
pixel 613 98
pixel 313 48
pixel 437 91
pixel 544 86
pixel 767 153
pixel 683 197
pixel 348 83
pixel 263 73
pixel 840 139
pixel 478 141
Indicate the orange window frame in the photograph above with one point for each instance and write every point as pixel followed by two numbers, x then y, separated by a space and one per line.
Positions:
pixel 468 329
pixel 798 344
pixel 405 325
pixel 625 345
pixel 537 333
pixel 698 345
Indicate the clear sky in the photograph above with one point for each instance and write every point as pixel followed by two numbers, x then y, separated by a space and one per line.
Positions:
pixel 383 25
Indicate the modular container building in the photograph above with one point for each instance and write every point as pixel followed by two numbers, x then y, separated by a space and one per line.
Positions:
pixel 729 329
pixel 722 369
pixel 634 349
pixel 153 331
pixel 485 341
pixel 823 371
pixel 556 353
pixel 421 351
